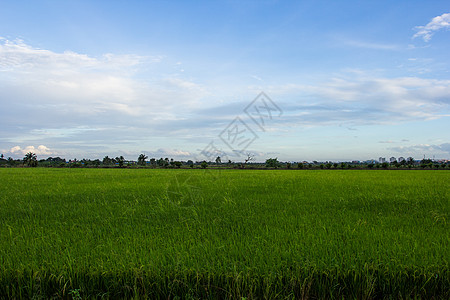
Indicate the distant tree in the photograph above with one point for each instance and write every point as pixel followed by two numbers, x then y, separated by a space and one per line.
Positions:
pixel 218 160
pixel 395 163
pixel 120 160
pixel 335 165
pixel 410 161
pixel 96 162
pixel 370 166
pixel 178 164
pixel 1 156
pixel 160 162
pixel 163 163
pixel 322 166
pixel 272 163
pixel 328 166
pixel 172 163
pixel 424 163
pixel 288 165
pixel 300 165
pixel 30 159
pixel 250 157
pixel 141 159
pixel 153 162
pixel 107 160
pixel 385 165
pixel 343 165
pixel 204 164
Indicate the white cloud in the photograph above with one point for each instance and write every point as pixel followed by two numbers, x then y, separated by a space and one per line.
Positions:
pixel 81 84
pixel 40 150
pixel 437 23
pixel 47 95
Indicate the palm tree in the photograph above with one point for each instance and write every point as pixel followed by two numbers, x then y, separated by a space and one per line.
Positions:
pixel 30 159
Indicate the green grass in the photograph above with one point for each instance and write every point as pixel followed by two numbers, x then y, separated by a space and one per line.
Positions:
pixel 224 234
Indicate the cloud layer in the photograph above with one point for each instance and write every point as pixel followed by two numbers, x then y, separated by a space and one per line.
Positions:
pixel 366 100
pixel 441 149
pixel 76 104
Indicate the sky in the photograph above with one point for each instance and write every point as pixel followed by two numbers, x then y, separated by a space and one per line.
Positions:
pixel 296 80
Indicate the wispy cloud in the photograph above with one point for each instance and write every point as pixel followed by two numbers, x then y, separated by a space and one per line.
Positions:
pixel 437 23
pixel 371 45
pixel 162 152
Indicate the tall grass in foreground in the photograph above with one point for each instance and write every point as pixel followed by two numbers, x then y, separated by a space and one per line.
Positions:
pixel 224 234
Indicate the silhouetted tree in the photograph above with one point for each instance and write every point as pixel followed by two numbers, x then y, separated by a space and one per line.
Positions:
pixel 141 159
pixel 30 159
pixel 250 157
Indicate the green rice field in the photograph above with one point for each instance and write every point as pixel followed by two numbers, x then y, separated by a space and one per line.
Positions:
pixel 215 234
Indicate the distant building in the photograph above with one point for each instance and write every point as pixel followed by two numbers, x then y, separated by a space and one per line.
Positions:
pixel 392 159
pixel 382 159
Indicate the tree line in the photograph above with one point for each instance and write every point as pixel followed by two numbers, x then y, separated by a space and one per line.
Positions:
pixel 30 160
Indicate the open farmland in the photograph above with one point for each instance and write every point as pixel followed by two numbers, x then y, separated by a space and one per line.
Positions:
pixel 224 234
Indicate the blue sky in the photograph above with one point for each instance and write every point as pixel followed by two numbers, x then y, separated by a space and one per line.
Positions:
pixel 345 80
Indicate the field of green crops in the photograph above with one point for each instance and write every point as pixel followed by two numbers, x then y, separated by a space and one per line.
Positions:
pixel 115 233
